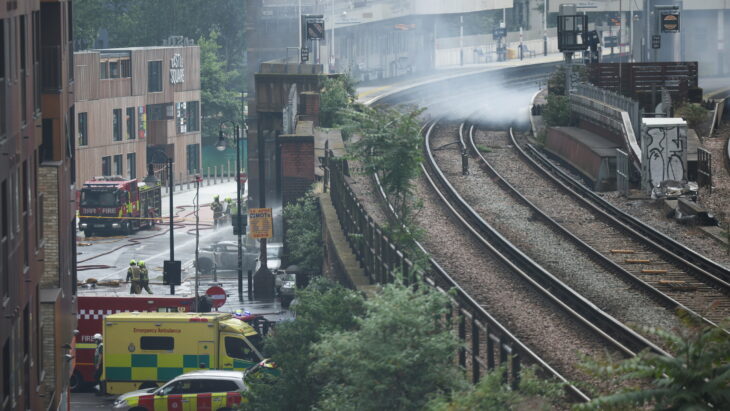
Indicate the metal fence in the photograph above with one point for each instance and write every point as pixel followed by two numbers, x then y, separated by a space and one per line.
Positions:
pixel 704 168
pixel 622 172
pixel 485 343
pixel 615 100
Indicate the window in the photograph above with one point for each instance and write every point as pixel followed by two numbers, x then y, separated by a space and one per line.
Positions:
pixel 126 68
pixel 47 144
pixel 117 124
pixel 6 373
pixel 154 76
pixel 22 44
pixel 106 166
pixel 237 348
pixel 36 60
pixel 157 343
pixel 193 116
pixel 103 70
pixel 160 111
pixel 118 165
pixel 131 131
pixel 193 157
pixel 83 129
pixel 177 387
pixel 114 71
pixel 217 386
pixel 2 78
pixel 132 165
pixel 4 234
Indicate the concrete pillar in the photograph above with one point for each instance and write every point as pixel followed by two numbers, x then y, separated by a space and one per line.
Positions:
pixel 721 42
pixel 229 170
pixel 207 176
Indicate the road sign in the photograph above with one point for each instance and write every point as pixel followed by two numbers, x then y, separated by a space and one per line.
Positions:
pixel 656 41
pixel 670 22
pixel 261 223
pixel 499 33
pixel 305 54
pixel 610 41
pixel 315 29
pixel 217 294
pixel 243 177
pixel 171 271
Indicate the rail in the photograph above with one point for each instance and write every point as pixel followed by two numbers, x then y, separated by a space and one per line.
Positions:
pixel 711 271
pixel 486 343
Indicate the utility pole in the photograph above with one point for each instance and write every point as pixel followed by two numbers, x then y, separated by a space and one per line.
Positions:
pixel 172 215
pixel 461 40
pixel 544 27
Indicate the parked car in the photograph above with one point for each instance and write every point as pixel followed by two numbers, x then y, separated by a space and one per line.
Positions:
pixel 286 285
pixel 223 255
pixel 208 389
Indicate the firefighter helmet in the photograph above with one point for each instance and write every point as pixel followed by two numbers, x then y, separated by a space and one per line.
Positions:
pixel 141 263
pixel 132 262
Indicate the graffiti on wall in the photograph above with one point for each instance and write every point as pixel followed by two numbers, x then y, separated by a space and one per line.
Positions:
pixel 664 152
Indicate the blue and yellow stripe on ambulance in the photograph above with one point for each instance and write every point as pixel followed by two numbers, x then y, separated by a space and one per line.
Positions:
pixel 151 367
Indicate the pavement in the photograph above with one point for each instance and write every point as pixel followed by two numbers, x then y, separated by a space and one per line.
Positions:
pixel 106 258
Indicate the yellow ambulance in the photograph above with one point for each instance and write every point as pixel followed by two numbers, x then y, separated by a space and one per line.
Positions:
pixel 146 349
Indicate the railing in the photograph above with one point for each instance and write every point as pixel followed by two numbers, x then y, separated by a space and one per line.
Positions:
pixel 613 99
pixel 485 343
pixel 51 66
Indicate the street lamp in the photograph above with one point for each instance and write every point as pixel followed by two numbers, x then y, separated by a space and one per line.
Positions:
pixel 220 146
pixel 168 268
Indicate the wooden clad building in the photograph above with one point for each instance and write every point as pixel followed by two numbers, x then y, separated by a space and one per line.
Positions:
pixel 137 105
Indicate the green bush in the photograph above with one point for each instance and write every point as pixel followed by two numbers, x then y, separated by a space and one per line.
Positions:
pixel 338 94
pixel 693 113
pixel 557 111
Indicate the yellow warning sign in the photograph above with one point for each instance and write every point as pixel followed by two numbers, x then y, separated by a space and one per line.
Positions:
pixel 260 223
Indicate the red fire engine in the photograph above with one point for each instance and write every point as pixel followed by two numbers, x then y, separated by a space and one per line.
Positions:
pixel 91 312
pixel 113 203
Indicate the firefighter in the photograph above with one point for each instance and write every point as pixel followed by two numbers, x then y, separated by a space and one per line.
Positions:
pixel 217 208
pixel 229 207
pixel 144 278
pixel 133 274
pixel 98 360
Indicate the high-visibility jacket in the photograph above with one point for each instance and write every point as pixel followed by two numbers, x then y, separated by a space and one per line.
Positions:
pixel 144 275
pixel 133 273
pixel 202 401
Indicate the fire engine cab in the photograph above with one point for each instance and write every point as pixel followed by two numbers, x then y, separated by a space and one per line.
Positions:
pixel 116 204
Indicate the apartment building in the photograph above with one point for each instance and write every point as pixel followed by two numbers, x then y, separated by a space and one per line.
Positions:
pixel 37 269
pixel 137 105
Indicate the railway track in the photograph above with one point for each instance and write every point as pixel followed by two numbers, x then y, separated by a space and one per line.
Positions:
pixel 668 277
pixel 558 324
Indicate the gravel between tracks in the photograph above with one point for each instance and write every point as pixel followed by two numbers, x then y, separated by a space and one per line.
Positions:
pixel 554 251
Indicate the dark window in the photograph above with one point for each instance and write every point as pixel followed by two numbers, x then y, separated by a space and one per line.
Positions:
pixel 157 343
pixel 24 204
pixel 2 79
pixel 83 129
pixel 4 233
pixel 22 43
pixel 193 116
pixel 114 71
pixel 132 165
pixel 117 124
pixel 103 67
pixel 131 130
pixel 106 166
pixel 160 111
pixel 126 68
pixel 6 373
pixel 118 165
pixel 217 386
pixel 47 145
pixel 193 157
pixel 36 61
pixel 237 348
pixel 154 76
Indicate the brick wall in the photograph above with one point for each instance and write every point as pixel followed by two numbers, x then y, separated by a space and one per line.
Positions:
pixel 48 185
pixel 296 155
pixel 310 106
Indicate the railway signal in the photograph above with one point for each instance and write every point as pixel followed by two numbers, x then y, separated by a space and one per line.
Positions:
pixel 315 29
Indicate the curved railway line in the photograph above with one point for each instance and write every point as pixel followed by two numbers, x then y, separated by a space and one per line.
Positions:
pixel 559 326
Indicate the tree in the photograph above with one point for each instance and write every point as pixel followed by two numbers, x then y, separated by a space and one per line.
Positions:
pixel 390 145
pixel 491 393
pixel 324 307
pixel 221 101
pixel 696 378
pixel 338 94
pixel 396 358
pixel 304 234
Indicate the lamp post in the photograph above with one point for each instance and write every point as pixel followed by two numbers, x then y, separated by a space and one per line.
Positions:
pixel 220 146
pixel 172 226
